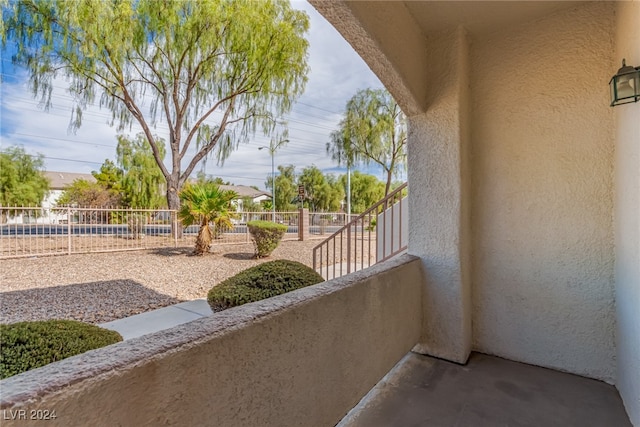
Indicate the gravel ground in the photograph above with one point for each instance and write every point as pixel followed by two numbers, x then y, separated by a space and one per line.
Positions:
pixel 101 287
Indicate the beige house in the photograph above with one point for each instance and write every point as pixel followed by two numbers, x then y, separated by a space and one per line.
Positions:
pixel 524 235
pixel 58 181
pixel 244 191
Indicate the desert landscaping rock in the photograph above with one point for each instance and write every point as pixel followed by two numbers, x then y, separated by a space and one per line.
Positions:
pixel 101 287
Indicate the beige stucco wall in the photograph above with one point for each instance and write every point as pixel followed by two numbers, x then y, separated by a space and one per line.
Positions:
pixel 627 218
pixel 428 77
pixel 304 358
pixel 542 173
pixel 437 146
pixel 535 184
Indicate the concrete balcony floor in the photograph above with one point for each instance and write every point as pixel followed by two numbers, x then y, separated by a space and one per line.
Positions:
pixel 488 391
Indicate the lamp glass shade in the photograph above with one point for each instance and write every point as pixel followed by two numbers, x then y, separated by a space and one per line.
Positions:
pixel 625 86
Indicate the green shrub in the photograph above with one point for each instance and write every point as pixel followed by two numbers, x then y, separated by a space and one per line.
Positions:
pixel 262 281
pixel 265 236
pixel 29 345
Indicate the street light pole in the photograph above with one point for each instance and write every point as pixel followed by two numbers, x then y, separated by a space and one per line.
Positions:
pixel 272 149
pixel 273 186
pixel 348 193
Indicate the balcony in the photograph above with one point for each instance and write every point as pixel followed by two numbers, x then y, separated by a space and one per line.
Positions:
pixel 523 243
pixel 304 358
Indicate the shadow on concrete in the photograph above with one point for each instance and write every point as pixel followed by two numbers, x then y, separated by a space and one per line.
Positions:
pixel 92 302
pixel 169 252
pixel 246 256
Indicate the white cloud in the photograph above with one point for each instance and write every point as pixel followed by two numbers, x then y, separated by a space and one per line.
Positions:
pixel 24 123
pixel 337 72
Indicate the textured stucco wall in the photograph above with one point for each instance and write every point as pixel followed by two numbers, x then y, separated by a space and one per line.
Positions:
pixel 438 206
pixel 543 149
pixel 304 358
pixel 428 76
pixel 627 218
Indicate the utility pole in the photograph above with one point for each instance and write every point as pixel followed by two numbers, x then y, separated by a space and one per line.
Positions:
pixel 348 194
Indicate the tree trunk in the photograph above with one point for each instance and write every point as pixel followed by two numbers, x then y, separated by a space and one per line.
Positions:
pixel 388 186
pixel 173 202
pixel 204 239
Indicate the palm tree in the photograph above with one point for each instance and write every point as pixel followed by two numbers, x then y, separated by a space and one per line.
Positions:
pixel 205 204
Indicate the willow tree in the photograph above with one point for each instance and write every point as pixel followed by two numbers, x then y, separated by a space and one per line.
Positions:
pixel 213 71
pixel 373 130
pixel 323 193
pixel 286 189
pixel 141 179
pixel 22 180
pixel 366 190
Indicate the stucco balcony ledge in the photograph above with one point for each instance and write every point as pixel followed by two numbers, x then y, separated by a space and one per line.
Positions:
pixel 304 358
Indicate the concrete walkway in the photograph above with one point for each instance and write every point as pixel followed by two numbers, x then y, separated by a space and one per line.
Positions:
pixel 160 319
pixel 486 392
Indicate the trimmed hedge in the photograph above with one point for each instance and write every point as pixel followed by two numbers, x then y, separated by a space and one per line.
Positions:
pixel 266 236
pixel 262 281
pixel 29 345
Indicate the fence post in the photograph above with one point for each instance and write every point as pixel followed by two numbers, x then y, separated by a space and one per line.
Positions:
pixel 69 229
pixel 303 224
pixel 174 227
pixel 349 245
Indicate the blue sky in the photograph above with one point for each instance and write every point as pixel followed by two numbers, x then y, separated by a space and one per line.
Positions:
pixel 337 72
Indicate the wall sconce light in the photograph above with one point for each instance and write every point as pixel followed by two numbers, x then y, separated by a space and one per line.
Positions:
pixel 625 85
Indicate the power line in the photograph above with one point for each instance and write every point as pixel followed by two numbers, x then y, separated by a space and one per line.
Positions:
pixel 69 160
pixel 96 163
pixel 214 174
pixel 56 158
pixel 300 147
pixel 285 150
pixel 288 118
pixel 239 177
pixel 64 140
pixel 318 108
pixel 162 124
pixel 69 97
pixel 315 107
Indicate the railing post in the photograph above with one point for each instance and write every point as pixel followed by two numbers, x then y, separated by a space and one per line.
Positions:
pixel 314 258
pixel 349 247
pixel 69 229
